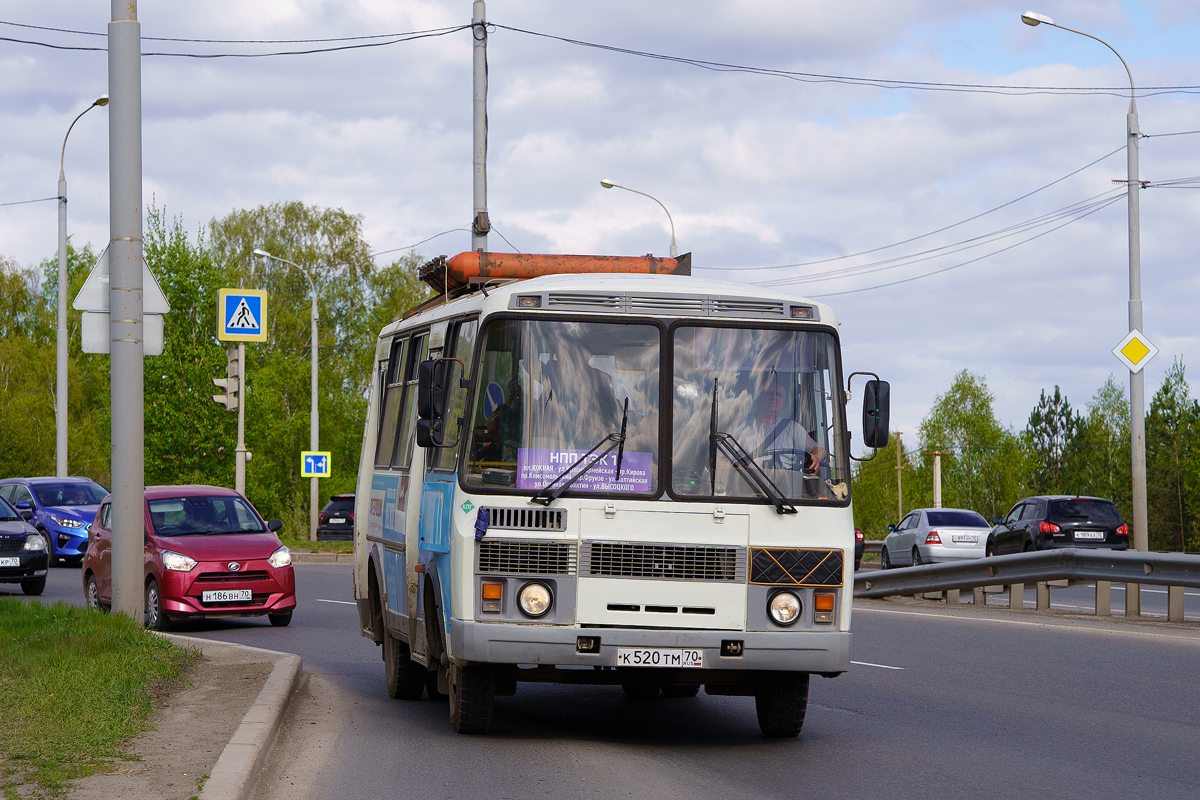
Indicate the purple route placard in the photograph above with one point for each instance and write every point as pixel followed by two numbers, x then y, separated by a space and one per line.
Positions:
pixel 536 467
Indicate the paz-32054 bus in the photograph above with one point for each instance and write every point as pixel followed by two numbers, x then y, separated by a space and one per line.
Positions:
pixel 639 480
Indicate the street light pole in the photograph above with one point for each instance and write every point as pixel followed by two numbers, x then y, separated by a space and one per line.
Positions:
pixel 313 414
pixel 60 387
pixel 607 184
pixel 1137 384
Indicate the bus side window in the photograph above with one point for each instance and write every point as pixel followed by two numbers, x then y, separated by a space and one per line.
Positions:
pixel 391 391
pixel 405 432
pixel 463 348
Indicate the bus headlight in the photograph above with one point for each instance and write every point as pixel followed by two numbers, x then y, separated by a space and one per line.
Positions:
pixel 534 599
pixel 784 608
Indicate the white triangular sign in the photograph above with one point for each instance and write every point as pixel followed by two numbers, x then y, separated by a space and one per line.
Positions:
pixel 242 318
pixel 93 296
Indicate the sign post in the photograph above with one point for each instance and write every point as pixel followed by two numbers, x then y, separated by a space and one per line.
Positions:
pixel 241 318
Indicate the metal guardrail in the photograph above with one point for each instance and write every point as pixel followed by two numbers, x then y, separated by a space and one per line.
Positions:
pixel 1102 567
pixel 873 548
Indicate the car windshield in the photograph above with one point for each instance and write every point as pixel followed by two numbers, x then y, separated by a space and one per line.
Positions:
pixel 956 519
pixel 8 513
pixel 69 494
pixel 179 516
pixel 551 390
pixel 1100 511
pixel 777 396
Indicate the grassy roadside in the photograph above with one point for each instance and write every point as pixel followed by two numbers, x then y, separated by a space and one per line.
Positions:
pixel 305 546
pixel 75 685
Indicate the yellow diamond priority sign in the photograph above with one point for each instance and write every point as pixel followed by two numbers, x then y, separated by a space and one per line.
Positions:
pixel 1135 351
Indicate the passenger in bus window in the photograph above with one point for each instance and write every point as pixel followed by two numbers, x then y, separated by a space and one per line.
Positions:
pixel 504 425
pixel 775 440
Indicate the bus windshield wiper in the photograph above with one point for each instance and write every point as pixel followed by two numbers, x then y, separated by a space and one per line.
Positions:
pixel 737 455
pixel 617 442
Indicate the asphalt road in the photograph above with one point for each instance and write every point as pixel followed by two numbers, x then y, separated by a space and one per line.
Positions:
pixel 953 707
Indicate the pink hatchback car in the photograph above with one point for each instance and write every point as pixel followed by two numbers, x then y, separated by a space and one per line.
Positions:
pixel 208 554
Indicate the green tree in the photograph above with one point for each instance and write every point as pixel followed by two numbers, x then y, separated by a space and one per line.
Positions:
pixel 987 471
pixel 1102 448
pixel 875 488
pixel 1050 437
pixel 1172 429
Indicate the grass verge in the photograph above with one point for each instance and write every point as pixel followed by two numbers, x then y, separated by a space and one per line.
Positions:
pixel 305 546
pixel 75 686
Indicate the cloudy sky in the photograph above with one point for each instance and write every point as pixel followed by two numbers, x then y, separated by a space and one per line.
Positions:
pixel 764 174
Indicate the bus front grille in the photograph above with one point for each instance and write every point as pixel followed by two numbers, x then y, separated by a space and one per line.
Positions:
pixel 527 519
pixel 500 557
pixel 663 561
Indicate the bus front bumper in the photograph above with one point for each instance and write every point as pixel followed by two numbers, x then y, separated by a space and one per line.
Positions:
pixel 791 651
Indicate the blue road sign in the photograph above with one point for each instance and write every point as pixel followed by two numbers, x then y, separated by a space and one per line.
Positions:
pixel 242 315
pixel 315 464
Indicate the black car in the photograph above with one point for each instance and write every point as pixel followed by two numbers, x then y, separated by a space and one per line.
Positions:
pixel 336 520
pixel 1051 521
pixel 24 558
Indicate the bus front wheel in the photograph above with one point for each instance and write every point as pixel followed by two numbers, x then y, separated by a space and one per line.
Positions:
pixel 781 699
pixel 472 697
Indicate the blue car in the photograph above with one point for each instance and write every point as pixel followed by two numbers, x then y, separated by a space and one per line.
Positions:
pixel 61 509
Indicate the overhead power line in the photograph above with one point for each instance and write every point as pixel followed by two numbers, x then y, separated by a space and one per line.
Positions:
pixel 24 202
pixel 970 261
pixel 881 83
pixel 930 233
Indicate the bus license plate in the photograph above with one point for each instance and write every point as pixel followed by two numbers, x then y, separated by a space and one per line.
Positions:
pixel 225 595
pixel 10 562
pixel 659 657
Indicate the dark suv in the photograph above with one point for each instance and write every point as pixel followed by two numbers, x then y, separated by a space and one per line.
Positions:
pixel 336 520
pixel 1050 521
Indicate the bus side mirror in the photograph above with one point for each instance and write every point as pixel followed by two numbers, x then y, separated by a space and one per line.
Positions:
pixel 433 393
pixel 877 402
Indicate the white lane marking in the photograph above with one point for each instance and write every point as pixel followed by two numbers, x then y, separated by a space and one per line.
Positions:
pixel 1047 624
pixel 339 602
pixel 867 664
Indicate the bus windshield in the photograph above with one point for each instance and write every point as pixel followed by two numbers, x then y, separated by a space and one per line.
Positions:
pixel 554 389
pixel 776 400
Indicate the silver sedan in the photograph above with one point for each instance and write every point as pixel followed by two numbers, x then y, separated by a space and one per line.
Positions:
pixel 932 535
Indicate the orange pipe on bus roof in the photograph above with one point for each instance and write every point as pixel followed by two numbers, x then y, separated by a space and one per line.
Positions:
pixel 520 266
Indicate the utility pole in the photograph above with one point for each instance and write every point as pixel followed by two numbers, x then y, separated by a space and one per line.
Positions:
pixel 126 333
pixel 899 477
pixel 480 224
pixel 937 475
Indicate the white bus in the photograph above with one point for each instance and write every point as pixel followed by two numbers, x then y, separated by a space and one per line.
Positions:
pixel 639 480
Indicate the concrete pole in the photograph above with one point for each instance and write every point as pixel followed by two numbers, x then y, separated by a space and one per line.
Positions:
pixel 61 392
pixel 1137 380
pixel 125 307
pixel 937 480
pixel 239 463
pixel 314 427
pixel 480 224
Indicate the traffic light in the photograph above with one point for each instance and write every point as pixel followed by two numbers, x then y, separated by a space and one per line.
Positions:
pixel 231 383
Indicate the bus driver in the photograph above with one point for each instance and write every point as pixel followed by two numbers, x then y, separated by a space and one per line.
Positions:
pixel 775 441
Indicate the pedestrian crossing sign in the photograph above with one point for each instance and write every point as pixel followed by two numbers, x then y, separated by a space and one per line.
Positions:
pixel 242 315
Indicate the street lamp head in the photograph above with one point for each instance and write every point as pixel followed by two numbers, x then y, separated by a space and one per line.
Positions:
pixel 102 100
pixel 262 254
pixel 606 183
pixel 1032 18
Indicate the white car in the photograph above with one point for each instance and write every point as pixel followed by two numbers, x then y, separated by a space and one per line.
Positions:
pixel 932 535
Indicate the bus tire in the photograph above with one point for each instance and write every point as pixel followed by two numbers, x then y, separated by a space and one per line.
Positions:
pixel 781 699
pixel 472 697
pixel 405 677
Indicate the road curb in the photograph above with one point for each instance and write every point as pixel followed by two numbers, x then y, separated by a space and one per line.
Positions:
pixel 322 558
pixel 236 771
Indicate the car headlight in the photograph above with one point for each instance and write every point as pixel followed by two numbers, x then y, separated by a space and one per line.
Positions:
pixel 784 608
pixel 67 522
pixel 280 558
pixel 35 542
pixel 177 562
pixel 534 599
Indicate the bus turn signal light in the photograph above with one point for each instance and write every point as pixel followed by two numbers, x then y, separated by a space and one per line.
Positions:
pixel 823 602
pixel 492 593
